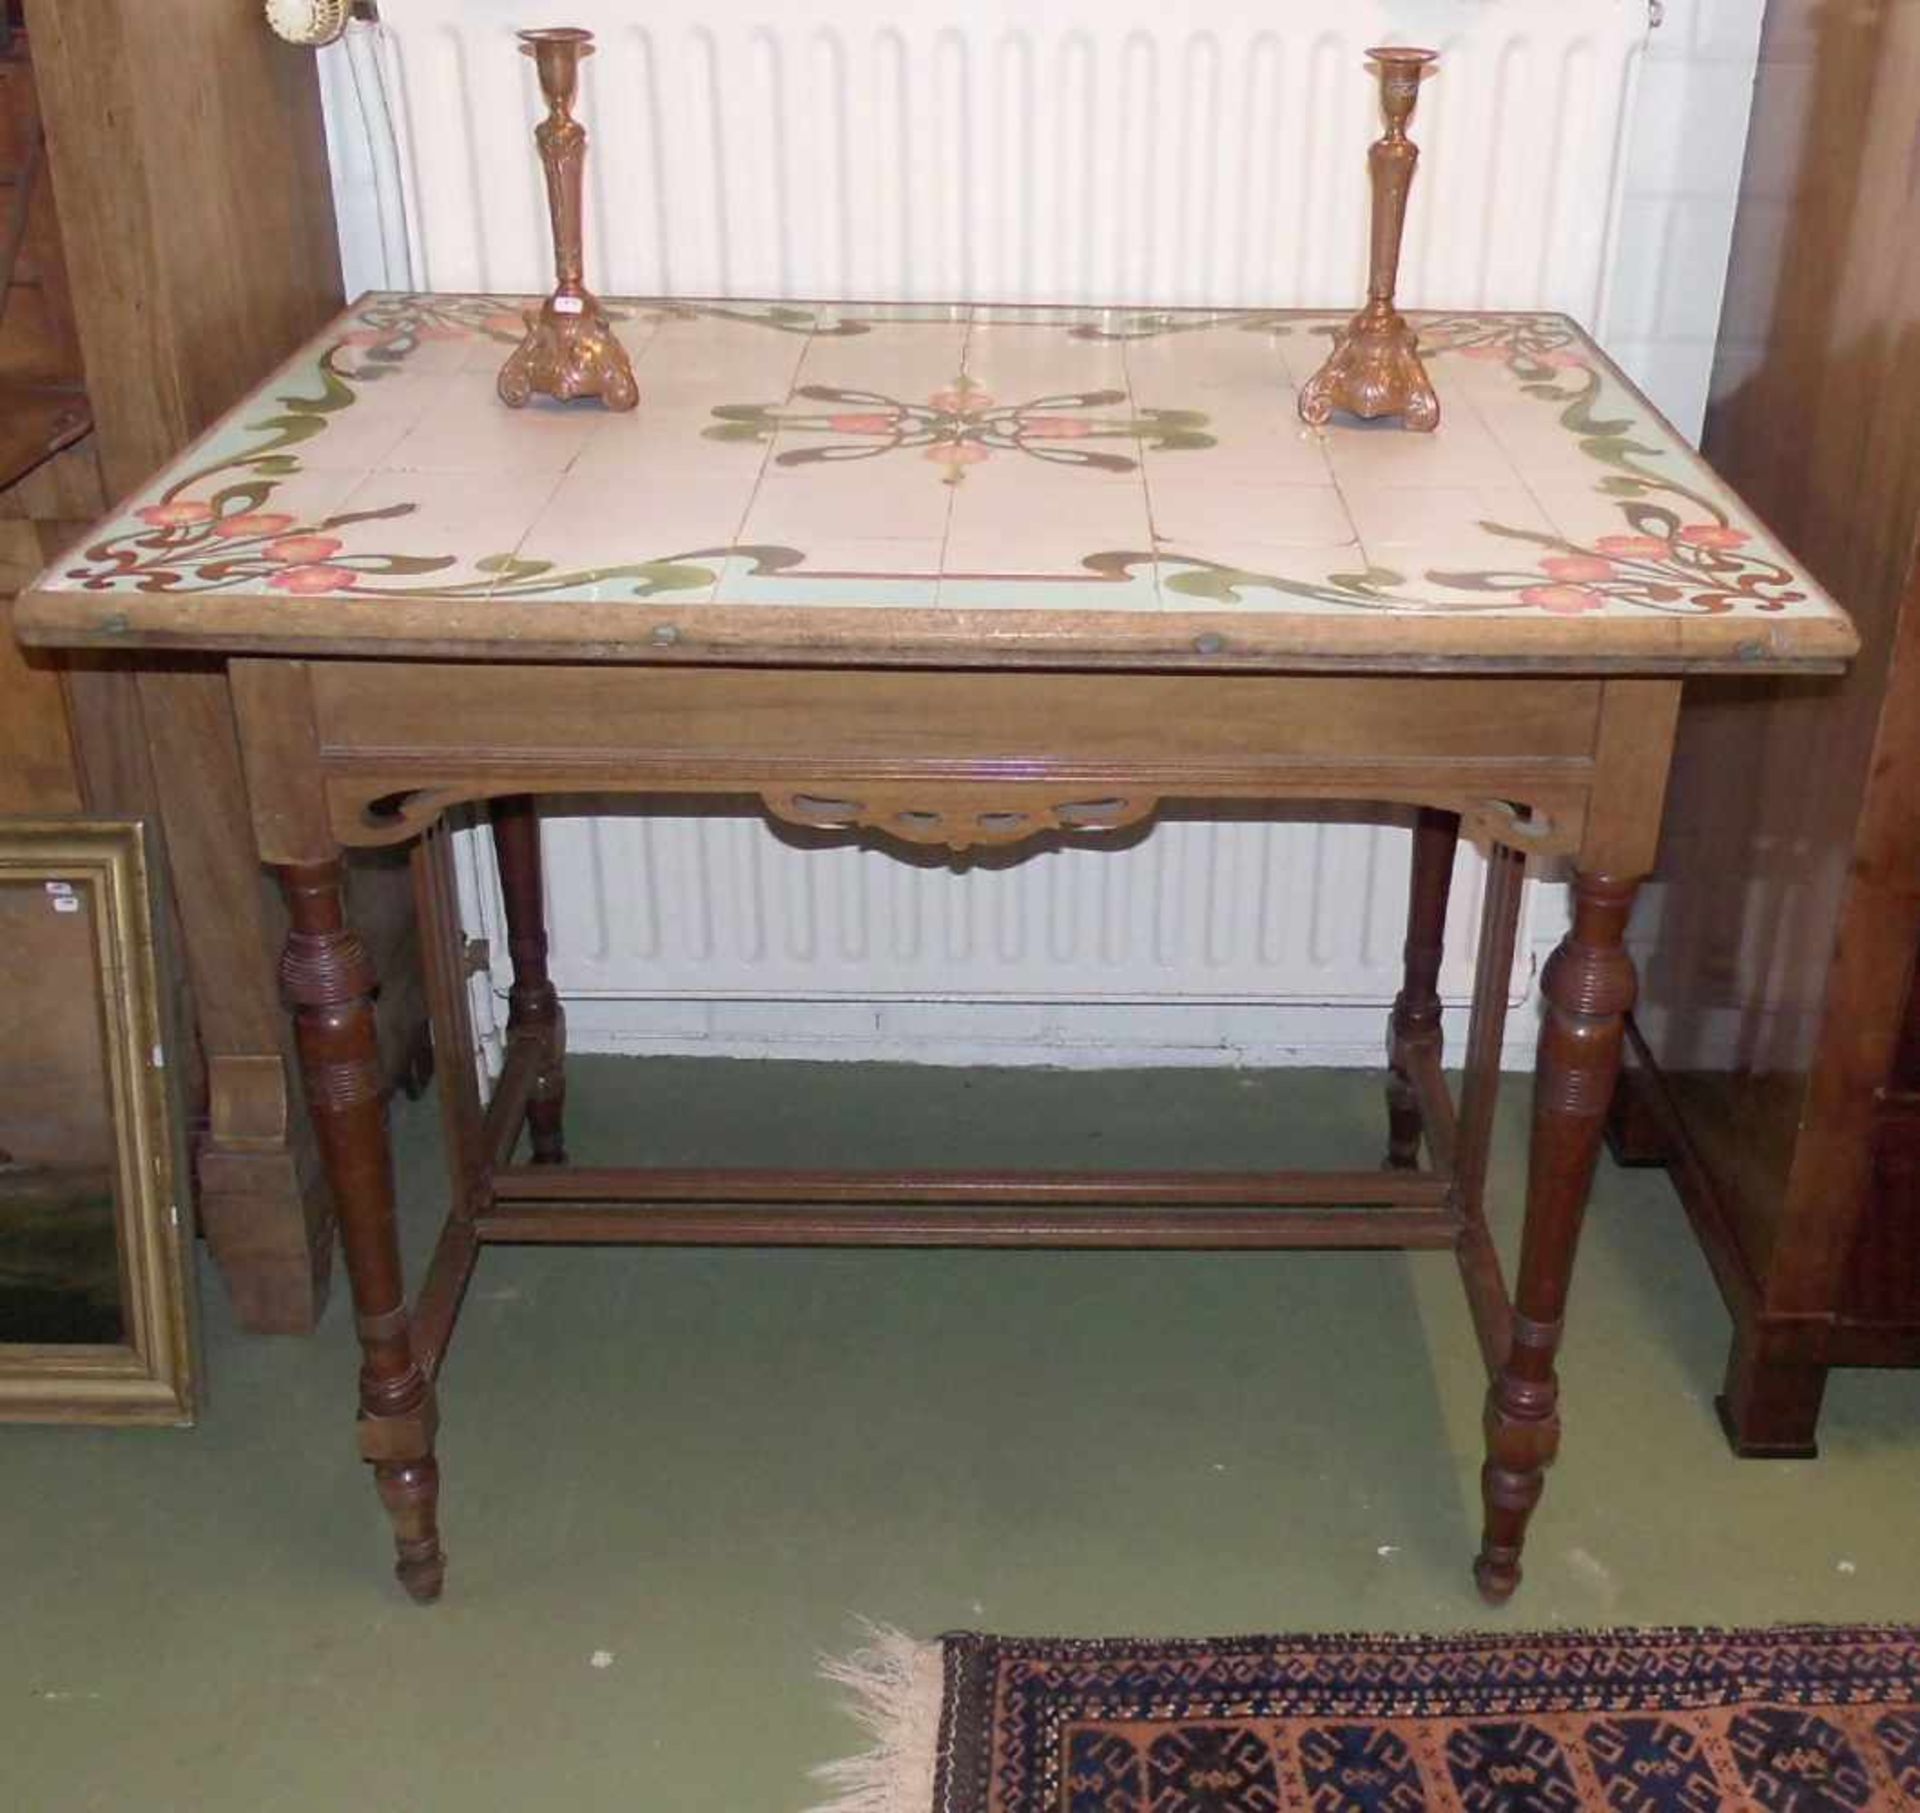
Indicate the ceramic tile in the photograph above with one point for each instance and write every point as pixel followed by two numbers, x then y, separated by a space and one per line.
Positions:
pixel 1019 362
pixel 864 575
pixel 1131 586
pixel 1241 356
pixel 1253 575
pixel 594 526
pixel 251 544
pixel 1434 529
pixel 1019 515
pixel 899 494
pixel 706 359
pixel 1275 514
pixel 1259 440
pixel 361 439
pixel 907 363
pixel 457 521
pixel 422 335
pixel 864 415
pixel 468 429
pixel 676 445
pixel 1460 451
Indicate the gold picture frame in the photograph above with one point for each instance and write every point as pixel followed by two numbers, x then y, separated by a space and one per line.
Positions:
pixel 82 1016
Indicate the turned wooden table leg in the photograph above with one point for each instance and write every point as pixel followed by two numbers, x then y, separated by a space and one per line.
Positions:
pixel 533 1006
pixel 1415 1023
pixel 329 981
pixel 1589 985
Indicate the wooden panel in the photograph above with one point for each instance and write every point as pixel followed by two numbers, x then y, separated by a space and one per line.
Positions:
pixel 38 341
pixel 36 759
pixel 189 163
pixel 1790 866
pixel 769 721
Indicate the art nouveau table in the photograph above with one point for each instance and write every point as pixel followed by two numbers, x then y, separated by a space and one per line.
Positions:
pixel 954 577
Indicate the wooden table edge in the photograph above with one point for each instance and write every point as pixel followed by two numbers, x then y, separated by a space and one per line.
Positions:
pixel 882 636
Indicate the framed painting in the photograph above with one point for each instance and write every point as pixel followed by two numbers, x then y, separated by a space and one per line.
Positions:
pixel 95 1257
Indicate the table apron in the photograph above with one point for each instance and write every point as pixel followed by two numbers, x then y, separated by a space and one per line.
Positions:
pixel 366 753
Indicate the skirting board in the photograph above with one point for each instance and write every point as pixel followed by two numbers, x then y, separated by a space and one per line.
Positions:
pixel 1051 1034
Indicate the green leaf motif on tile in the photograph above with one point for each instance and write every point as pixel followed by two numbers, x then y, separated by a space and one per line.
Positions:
pixel 244 496
pixel 1221 584
pixel 385 513
pixel 1512 534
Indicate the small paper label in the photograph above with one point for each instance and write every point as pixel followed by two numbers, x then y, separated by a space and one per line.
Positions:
pixel 59 887
pixel 568 305
pixel 65 903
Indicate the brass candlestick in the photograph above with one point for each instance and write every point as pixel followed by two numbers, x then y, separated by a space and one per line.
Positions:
pixel 1374 368
pixel 570 349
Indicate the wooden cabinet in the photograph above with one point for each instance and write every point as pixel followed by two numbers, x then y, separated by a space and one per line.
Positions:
pixel 187 159
pixel 1778 1031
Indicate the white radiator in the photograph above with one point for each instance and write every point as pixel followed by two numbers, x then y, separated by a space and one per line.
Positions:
pixel 1111 150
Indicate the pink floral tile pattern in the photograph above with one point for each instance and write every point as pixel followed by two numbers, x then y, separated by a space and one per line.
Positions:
pixel 915 457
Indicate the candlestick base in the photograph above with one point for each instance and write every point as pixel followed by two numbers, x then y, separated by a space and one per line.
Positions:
pixel 569 352
pixel 1374 370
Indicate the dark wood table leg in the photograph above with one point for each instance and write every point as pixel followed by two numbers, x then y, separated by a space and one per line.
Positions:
pixel 1415 1023
pixel 1589 985
pixel 533 1006
pixel 328 979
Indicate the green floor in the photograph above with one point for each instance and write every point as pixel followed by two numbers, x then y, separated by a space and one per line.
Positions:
pixel 672 1477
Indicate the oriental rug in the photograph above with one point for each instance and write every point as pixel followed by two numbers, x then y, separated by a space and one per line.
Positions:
pixel 1788 1720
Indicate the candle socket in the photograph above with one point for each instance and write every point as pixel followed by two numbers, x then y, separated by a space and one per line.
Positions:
pixel 1374 369
pixel 571 349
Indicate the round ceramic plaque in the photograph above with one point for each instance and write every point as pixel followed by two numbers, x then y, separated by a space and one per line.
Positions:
pixel 309 21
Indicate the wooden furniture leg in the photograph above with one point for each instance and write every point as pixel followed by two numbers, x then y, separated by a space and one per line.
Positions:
pixel 1589 985
pixel 1770 1403
pixel 1414 1027
pixel 329 982
pixel 533 1006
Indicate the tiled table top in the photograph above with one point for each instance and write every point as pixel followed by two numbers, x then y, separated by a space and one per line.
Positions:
pixel 956 484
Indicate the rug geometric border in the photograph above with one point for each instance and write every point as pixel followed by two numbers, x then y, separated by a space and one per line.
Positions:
pixel 1793 1719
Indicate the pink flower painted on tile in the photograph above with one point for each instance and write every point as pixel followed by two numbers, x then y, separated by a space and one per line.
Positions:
pixel 1576 566
pixel 504 324
pixel 1563 600
pixel 175 516
pixel 1633 547
pixel 957 453
pixel 961 399
pixel 309 580
pixel 861 424
pixel 1563 360
pixel 303 550
pixel 253 522
pixel 1056 427
pixel 1712 535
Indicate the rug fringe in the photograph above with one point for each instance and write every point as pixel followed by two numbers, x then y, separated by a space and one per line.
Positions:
pixel 894 1685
